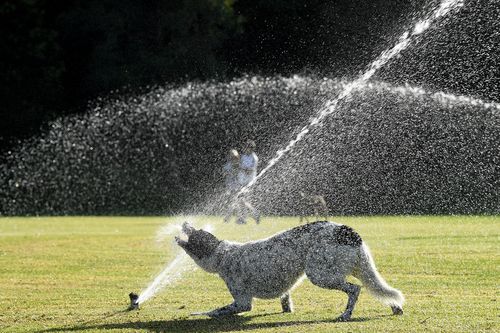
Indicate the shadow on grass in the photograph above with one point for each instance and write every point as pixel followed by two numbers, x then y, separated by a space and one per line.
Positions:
pixel 231 323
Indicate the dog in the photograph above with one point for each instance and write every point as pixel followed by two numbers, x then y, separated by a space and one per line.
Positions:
pixel 315 203
pixel 323 251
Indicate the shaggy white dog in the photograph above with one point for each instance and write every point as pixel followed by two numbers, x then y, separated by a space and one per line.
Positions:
pixel 326 252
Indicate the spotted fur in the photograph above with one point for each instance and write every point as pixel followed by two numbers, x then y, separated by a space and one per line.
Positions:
pixel 345 235
pixel 323 251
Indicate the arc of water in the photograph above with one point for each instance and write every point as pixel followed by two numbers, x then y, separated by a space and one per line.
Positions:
pixel 439 96
pixel 443 9
pixel 172 272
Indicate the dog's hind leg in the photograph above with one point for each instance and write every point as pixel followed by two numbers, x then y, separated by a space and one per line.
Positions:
pixel 286 302
pixel 328 266
pixel 352 291
pixel 338 283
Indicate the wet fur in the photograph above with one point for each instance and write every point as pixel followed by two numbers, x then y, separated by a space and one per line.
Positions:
pixel 325 252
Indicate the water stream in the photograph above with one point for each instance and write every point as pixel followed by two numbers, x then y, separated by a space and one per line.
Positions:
pixel 331 106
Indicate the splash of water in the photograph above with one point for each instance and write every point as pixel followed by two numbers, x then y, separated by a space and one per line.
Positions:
pixel 174 270
pixel 168 230
pixel 331 106
pixel 77 166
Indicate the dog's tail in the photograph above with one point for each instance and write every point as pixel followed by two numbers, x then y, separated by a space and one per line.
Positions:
pixel 375 283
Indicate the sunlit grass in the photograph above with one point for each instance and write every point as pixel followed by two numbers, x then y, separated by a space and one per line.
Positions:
pixel 74 274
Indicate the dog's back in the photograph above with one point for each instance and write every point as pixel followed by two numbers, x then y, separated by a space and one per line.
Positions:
pixel 302 237
pixel 297 240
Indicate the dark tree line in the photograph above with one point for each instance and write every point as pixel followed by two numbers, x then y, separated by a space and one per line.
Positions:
pixel 56 55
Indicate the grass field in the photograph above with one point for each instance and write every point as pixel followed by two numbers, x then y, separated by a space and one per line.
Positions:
pixel 73 274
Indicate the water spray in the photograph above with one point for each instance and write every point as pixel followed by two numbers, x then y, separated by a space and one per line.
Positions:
pixel 441 97
pixel 173 269
pixel 346 93
pixel 171 273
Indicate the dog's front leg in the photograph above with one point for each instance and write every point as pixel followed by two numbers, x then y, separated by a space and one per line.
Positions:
pixel 240 304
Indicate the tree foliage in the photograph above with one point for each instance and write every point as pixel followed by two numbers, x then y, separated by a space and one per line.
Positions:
pixel 31 65
pixel 56 56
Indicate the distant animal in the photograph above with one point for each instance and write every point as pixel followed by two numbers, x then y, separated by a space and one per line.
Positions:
pixel 315 204
pixel 325 252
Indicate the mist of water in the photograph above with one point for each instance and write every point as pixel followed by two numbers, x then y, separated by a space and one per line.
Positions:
pixel 176 268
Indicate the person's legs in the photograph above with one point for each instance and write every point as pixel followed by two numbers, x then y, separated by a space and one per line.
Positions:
pixel 241 211
pixel 229 206
pixel 255 213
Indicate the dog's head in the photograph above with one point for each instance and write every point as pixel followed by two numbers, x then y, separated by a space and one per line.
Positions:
pixel 200 244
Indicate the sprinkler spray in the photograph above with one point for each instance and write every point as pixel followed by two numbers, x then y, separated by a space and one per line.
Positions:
pixel 134 301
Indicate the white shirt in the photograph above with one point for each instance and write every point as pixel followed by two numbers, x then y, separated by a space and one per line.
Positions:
pixel 248 168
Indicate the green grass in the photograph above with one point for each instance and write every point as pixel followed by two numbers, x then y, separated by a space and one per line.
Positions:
pixel 75 273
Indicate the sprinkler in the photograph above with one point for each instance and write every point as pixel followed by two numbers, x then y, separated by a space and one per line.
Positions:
pixel 134 301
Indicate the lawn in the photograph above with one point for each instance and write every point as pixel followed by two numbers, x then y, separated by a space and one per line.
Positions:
pixel 73 274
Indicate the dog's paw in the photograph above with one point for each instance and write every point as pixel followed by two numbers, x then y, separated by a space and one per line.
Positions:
pixel 397 311
pixel 344 317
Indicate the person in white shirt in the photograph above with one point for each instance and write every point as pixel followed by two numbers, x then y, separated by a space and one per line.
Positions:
pixel 247 172
pixel 231 171
pixel 248 164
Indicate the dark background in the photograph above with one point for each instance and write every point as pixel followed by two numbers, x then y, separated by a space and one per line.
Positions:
pixel 57 55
